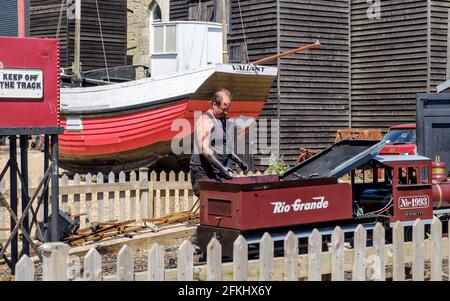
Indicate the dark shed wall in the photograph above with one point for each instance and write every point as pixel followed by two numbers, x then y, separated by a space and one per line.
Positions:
pixel 366 74
pixel 314 85
pixel 113 14
pixel 44 23
pixel 259 21
pixel 8 18
pixel 178 10
pixel 252 36
pixel 389 62
pixel 439 40
pixel 45 16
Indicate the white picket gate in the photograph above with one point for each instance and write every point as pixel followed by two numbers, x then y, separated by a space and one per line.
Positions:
pixel 374 263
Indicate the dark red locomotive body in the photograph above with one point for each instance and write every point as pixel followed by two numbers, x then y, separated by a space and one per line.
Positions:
pixel 310 196
pixel 254 203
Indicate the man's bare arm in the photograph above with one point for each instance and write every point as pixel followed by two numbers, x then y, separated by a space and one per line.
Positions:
pixel 204 129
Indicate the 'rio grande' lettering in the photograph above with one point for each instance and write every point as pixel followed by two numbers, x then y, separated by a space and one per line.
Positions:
pixel 298 205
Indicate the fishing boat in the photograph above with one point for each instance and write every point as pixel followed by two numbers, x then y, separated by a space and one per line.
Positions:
pixel 127 125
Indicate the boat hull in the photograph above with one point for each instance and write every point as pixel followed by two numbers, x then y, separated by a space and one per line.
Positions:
pixel 143 138
pixel 129 125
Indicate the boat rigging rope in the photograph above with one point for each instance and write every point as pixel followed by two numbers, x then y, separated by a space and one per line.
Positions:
pixel 243 32
pixel 199 9
pixel 103 42
pixel 60 18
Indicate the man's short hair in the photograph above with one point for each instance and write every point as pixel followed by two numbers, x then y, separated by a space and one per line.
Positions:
pixel 217 98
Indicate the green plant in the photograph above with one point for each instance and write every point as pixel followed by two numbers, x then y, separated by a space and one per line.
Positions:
pixel 277 165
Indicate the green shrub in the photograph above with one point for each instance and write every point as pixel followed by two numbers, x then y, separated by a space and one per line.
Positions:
pixel 277 165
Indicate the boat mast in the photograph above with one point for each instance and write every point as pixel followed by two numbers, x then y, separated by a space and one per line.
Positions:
pixel 221 10
pixel 21 18
pixel 277 56
pixel 77 64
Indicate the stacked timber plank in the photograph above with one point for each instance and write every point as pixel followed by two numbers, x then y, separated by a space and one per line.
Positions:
pixel 100 231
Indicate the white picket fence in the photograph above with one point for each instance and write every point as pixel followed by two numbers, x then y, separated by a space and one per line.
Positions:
pixel 375 263
pixel 136 199
pixel 100 199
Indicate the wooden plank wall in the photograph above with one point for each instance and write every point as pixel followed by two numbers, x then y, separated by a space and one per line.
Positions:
pixel 439 30
pixel 113 14
pixel 8 18
pixel 202 10
pixel 389 62
pixel 44 22
pixel 44 18
pixel 385 61
pixel 259 20
pixel 178 10
pixel 314 85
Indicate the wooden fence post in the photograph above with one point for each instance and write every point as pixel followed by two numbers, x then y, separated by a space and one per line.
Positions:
pixel 143 194
pixel 164 205
pixel 214 260
pixel 111 197
pixel 190 199
pixel 100 206
pixel 55 261
pixel 185 257
pixel 398 269
pixel 184 201
pixel 76 200
pixel 436 250
pixel 359 264
pixel 25 269
pixel 154 200
pixel 88 200
pixel 125 264
pixel 133 178
pixel 64 197
pixel 121 198
pixel 168 200
pixel 240 259
pixel 314 256
pixel 291 257
pixel 379 271
pixel 178 205
pixel 418 251
pixel 93 266
pixel 337 255
pixel 266 258
pixel 155 264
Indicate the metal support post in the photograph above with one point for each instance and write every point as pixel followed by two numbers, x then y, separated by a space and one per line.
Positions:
pixel 13 198
pixel 55 190
pixel 46 164
pixel 25 199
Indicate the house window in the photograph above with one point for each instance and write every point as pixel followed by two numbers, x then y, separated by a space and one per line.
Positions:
pixel 156 14
pixel 165 39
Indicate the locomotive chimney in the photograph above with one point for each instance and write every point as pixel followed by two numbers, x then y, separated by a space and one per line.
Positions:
pixel 438 171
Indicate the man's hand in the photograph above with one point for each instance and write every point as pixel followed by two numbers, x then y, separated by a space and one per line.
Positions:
pixel 240 162
pixel 227 174
pixel 244 167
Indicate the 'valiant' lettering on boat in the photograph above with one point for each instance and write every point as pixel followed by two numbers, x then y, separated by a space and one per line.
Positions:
pixel 248 68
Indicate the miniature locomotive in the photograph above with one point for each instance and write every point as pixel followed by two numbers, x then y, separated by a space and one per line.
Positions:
pixel 313 195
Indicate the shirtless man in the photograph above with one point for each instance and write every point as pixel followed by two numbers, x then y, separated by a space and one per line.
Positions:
pixel 211 134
